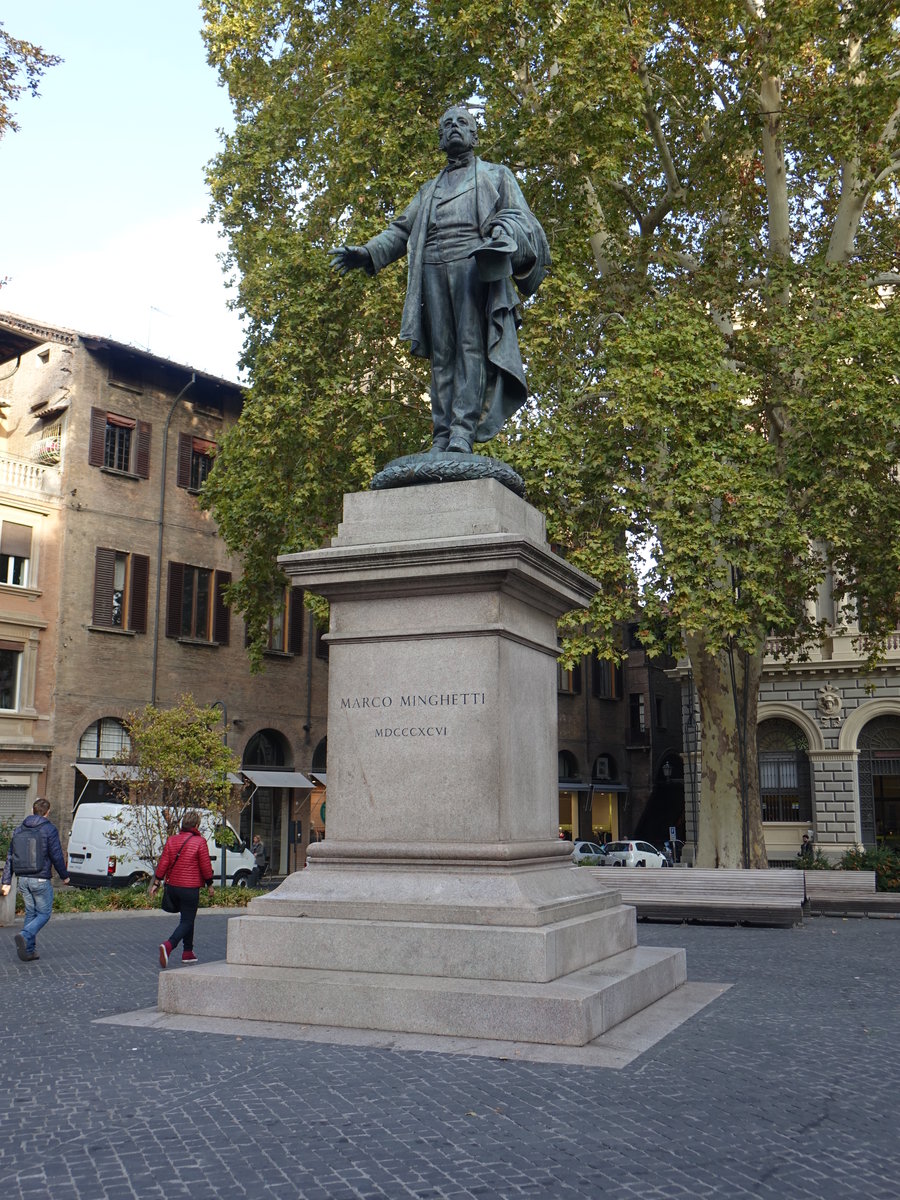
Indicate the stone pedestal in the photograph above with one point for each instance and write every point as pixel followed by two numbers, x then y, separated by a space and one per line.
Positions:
pixel 442 900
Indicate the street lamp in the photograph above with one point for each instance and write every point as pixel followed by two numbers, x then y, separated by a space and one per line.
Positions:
pixel 221 704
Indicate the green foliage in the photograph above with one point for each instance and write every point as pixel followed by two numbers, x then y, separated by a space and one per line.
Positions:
pixel 813 862
pixel 176 763
pixel 715 417
pixel 85 900
pixel 713 373
pixel 7 828
pixel 884 861
pixel 21 67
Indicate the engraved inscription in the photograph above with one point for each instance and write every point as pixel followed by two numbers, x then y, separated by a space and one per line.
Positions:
pixel 411 700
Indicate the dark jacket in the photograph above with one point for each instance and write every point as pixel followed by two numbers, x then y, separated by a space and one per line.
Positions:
pixel 193 868
pixel 498 201
pixel 53 855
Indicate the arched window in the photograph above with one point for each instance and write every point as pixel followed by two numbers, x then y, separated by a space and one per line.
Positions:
pixel 784 778
pixel 604 768
pixel 104 739
pixel 320 756
pixel 879 781
pixel 568 765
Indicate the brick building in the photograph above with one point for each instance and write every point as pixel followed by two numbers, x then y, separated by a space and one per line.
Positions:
pixel 112 578
pixel 620 764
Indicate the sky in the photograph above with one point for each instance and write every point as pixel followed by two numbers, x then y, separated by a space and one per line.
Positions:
pixel 102 189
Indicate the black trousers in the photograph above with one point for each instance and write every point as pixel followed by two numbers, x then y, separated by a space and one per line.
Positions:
pixel 188 900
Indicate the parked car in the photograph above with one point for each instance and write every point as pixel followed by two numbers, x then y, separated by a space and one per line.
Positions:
pixel 588 851
pixel 633 854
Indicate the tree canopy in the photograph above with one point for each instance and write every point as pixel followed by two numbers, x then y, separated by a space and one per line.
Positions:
pixel 713 366
pixel 21 67
pixel 176 762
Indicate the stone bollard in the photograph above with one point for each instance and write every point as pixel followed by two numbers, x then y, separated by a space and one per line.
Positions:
pixel 8 905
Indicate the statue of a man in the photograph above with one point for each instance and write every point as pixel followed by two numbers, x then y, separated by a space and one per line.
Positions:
pixel 468 233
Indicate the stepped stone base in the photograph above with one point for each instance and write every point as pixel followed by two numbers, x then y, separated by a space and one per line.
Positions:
pixel 570 1011
pixel 442 901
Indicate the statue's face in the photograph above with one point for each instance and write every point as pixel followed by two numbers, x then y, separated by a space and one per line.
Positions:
pixel 458 131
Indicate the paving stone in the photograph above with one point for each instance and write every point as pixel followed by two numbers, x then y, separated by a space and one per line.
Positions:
pixel 782 1088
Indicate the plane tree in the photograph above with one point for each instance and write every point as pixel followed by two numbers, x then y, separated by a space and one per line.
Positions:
pixel 713 360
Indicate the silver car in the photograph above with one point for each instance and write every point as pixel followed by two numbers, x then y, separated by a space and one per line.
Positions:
pixel 633 854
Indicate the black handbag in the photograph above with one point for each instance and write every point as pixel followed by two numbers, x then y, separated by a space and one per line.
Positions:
pixel 169 903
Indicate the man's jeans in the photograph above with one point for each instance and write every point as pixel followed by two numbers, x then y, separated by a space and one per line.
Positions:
pixel 38 897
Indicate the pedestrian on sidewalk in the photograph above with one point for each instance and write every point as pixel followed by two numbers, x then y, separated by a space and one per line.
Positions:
pixel 258 850
pixel 33 853
pixel 184 867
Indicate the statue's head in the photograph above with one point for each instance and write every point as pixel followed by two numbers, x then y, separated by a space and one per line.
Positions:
pixel 458 130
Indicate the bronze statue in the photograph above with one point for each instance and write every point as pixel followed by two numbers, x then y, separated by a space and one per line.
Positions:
pixel 469 233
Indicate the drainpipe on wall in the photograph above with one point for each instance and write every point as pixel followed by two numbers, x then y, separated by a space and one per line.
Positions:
pixel 159 535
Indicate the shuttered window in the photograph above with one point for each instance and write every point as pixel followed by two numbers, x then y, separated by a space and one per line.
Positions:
pixel 121 584
pixel 15 553
pixel 195 460
pixel 119 443
pixel 195 604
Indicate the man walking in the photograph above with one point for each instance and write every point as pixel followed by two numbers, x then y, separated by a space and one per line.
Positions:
pixel 33 853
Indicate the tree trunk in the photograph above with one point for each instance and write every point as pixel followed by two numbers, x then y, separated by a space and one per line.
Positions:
pixel 730 817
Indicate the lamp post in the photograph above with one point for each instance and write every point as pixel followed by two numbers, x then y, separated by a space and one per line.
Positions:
pixel 221 704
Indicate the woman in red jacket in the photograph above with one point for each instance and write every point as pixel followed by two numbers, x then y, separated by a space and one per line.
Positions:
pixel 185 867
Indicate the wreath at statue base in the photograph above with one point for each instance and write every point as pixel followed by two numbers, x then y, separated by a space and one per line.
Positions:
pixel 415 469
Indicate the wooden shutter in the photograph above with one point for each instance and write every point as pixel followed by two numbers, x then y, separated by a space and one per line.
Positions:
pixel 296 612
pixel 140 582
pixel 173 599
pixel 104 578
pixel 222 613
pixel 142 452
pixel 183 473
pixel 97 444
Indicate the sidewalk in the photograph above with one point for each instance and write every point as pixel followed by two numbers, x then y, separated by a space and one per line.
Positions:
pixel 783 1087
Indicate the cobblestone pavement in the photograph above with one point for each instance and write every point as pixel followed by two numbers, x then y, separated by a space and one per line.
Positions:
pixel 784 1087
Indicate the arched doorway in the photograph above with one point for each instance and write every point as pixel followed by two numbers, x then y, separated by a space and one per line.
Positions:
pixel 879 782
pixel 268 811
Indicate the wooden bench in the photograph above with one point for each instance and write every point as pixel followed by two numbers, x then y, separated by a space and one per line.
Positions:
pixel 838 892
pixel 725 896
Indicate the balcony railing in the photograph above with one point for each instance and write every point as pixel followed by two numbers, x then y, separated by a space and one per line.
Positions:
pixel 24 475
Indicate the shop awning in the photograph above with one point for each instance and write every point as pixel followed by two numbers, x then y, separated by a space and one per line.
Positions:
pixel 318 777
pixel 599 785
pixel 279 779
pixel 98 770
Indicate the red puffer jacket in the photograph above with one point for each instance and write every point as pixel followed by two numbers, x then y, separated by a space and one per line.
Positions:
pixel 193 868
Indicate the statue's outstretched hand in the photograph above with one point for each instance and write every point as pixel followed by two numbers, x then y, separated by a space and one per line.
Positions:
pixel 349 258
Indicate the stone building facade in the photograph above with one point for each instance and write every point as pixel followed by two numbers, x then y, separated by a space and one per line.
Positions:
pixel 828 740
pixel 103 450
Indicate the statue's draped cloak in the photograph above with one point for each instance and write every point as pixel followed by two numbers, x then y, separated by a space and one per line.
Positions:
pixel 499 202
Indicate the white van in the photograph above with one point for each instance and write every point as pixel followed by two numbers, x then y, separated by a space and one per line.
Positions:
pixel 95 862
